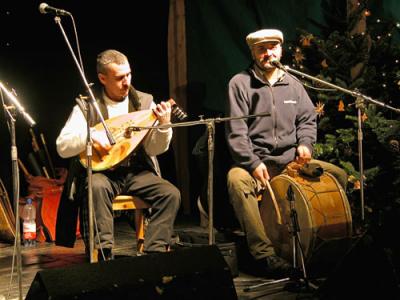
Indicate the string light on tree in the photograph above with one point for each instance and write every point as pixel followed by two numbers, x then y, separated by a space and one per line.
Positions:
pixel 364 117
pixel 341 105
pixel 298 56
pixel 395 145
pixel 319 109
pixel 324 64
pixel 306 40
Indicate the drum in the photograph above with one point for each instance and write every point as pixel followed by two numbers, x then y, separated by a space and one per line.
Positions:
pixel 322 210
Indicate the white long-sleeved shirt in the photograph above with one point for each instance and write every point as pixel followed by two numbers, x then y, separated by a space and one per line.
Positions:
pixel 72 139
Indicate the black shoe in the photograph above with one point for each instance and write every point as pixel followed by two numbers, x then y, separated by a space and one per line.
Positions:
pixel 278 267
pixel 108 255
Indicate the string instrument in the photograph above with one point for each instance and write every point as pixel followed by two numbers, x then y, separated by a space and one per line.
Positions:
pixel 7 218
pixel 46 193
pixel 126 139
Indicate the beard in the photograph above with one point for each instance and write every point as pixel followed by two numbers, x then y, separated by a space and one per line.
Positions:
pixel 264 65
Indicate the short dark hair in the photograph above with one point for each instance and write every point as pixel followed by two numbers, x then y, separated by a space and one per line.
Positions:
pixel 107 57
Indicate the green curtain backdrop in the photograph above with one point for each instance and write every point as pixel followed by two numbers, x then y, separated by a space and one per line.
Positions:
pixel 216 32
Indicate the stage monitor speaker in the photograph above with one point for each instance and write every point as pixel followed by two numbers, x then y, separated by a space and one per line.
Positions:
pixel 188 273
pixel 365 272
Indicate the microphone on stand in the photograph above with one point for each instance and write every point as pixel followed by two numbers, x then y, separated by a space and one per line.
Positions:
pixel 44 8
pixel 277 63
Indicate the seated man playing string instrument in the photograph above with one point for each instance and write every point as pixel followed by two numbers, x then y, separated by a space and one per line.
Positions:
pixel 137 175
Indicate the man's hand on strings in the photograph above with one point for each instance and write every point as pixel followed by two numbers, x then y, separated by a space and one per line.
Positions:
pixel 100 140
pixel 163 113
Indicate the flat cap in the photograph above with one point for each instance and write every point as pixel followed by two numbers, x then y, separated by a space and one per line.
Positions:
pixel 264 35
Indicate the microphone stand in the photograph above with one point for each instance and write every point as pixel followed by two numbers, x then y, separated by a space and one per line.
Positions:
pixel 93 102
pixel 15 175
pixel 210 123
pixel 299 268
pixel 15 180
pixel 360 98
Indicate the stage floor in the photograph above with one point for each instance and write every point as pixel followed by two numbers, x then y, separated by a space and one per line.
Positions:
pixel 48 256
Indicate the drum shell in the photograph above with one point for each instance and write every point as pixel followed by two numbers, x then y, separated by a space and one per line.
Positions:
pixel 322 210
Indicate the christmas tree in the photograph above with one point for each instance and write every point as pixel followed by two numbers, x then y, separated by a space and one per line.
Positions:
pixel 357 51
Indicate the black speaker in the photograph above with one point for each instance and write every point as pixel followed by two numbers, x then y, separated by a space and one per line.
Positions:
pixel 365 272
pixel 192 273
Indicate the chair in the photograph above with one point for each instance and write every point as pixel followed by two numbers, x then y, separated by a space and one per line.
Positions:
pixel 125 202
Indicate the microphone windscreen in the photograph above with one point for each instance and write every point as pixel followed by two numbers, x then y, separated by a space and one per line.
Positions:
pixel 42 7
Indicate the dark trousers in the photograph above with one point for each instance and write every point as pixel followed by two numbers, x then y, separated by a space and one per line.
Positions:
pixel 163 197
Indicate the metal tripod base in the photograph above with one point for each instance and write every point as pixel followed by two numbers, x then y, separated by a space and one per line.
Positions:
pixel 299 279
pixel 264 284
pixel 295 285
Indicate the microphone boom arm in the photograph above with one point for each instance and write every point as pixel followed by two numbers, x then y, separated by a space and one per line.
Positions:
pixel 19 107
pixel 210 123
pixel 353 93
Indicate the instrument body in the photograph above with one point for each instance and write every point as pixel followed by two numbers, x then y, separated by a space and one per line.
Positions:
pixel 322 208
pixel 48 207
pixel 7 218
pixel 126 141
pixel 46 195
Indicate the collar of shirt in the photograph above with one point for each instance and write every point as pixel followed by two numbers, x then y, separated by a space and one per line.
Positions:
pixel 259 74
pixel 115 108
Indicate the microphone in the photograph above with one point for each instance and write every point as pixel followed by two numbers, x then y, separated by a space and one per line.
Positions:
pixel 44 8
pixel 277 63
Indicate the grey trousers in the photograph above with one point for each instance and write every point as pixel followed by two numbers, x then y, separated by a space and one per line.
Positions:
pixel 163 197
pixel 243 192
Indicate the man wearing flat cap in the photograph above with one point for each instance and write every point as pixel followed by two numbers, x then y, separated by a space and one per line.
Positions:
pixel 262 147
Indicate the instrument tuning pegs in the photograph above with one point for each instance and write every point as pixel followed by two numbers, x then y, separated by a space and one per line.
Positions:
pixel 177 111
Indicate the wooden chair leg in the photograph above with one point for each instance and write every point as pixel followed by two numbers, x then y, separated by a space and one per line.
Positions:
pixel 139 224
pixel 95 257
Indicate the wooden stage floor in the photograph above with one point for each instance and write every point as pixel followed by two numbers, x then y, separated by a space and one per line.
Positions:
pixel 46 256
